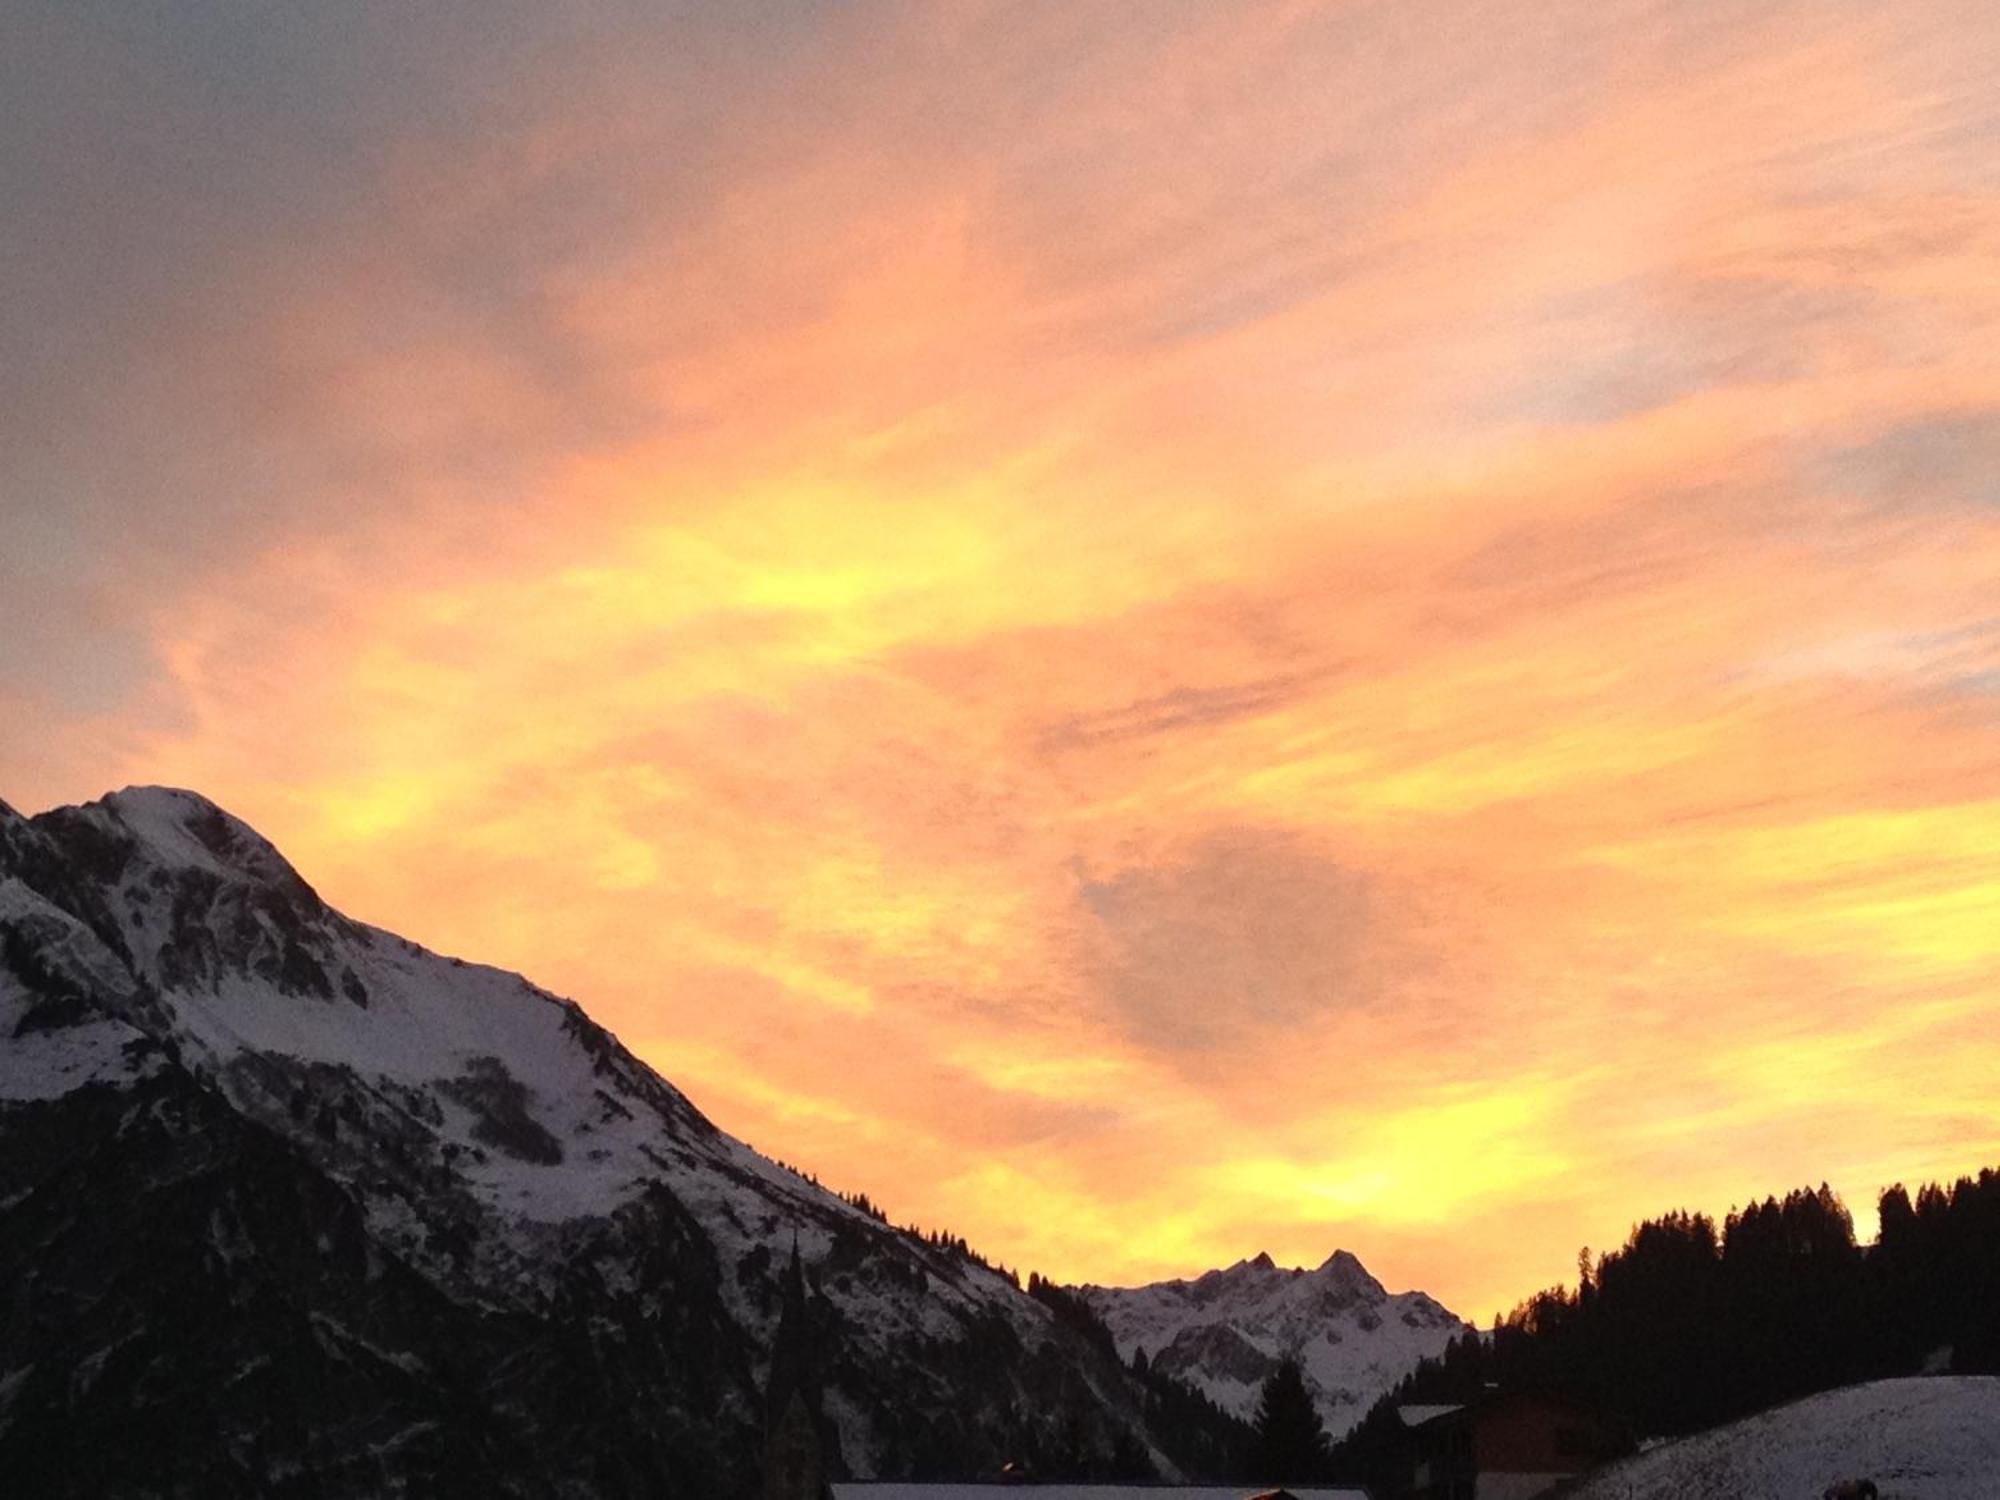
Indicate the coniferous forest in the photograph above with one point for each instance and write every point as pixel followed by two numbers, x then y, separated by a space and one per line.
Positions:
pixel 1198 1435
pixel 1690 1324
pixel 1694 1323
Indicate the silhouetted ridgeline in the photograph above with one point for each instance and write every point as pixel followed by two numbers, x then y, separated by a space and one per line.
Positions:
pixel 936 1239
pixel 1691 1323
pixel 292 1205
pixel 1192 1430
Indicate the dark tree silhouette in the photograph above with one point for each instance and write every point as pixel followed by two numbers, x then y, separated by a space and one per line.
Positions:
pixel 1692 1323
pixel 1290 1446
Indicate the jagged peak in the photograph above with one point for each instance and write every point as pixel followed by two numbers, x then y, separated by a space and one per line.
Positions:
pixel 1342 1265
pixel 1345 1268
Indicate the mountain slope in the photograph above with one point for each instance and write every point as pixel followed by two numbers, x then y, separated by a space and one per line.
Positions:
pixel 298 1203
pixel 1919 1439
pixel 1226 1330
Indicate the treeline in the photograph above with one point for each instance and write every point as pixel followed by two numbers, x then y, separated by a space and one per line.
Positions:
pixel 1073 1312
pixel 954 1244
pixel 936 1239
pixel 1199 1436
pixel 1075 1446
pixel 1202 1439
pixel 1693 1323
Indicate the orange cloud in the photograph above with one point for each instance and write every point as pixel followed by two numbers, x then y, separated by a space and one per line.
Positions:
pixel 1151 638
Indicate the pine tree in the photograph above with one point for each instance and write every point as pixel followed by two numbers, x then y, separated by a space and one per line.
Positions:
pixel 1290 1446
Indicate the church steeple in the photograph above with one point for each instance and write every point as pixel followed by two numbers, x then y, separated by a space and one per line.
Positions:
pixel 794 1460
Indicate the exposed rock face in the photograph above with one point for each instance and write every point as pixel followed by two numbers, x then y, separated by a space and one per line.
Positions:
pixel 289 1205
pixel 1225 1331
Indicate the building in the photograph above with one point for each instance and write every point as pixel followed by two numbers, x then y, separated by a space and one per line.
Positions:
pixel 794 1424
pixel 1511 1446
pixel 888 1490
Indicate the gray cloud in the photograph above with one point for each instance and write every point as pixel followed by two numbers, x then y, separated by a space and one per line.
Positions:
pixel 1252 932
pixel 1181 708
pixel 223 218
pixel 1948 460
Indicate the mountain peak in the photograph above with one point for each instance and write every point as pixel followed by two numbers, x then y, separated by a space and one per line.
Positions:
pixel 175 820
pixel 1226 1330
pixel 1344 1270
pixel 154 794
pixel 387 1146
pixel 176 829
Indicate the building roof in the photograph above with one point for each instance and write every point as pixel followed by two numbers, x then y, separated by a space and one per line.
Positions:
pixel 869 1490
pixel 1416 1416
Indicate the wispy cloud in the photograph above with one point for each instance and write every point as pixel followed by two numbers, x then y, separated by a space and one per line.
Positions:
pixel 1378 625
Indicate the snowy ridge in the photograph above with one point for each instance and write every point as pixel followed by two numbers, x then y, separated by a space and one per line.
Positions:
pixel 489 1132
pixel 546 1118
pixel 1936 1438
pixel 1226 1330
pixel 55 1042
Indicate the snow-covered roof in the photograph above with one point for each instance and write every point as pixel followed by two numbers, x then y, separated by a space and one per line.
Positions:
pixel 866 1490
pixel 1416 1416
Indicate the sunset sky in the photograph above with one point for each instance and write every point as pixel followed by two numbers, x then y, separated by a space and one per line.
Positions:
pixel 1149 631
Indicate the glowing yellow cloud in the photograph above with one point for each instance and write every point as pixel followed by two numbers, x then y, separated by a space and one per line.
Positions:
pixel 1397 651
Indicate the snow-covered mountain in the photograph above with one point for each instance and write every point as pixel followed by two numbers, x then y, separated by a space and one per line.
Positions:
pixel 1225 1331
pixel 284 1195
pixel 1920 1439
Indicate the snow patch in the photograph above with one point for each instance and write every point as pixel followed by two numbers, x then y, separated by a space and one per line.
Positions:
pixel 1224 1332
pixel 1917 1439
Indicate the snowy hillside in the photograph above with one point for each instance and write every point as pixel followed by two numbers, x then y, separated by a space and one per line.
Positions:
pixel 539 1114
pixel 1226 1330
pixel 434 1158
pixel 1925 1439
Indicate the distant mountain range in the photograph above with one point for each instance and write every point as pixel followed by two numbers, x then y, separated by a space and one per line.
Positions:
pixel 289 1204
pixel 1225 1331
